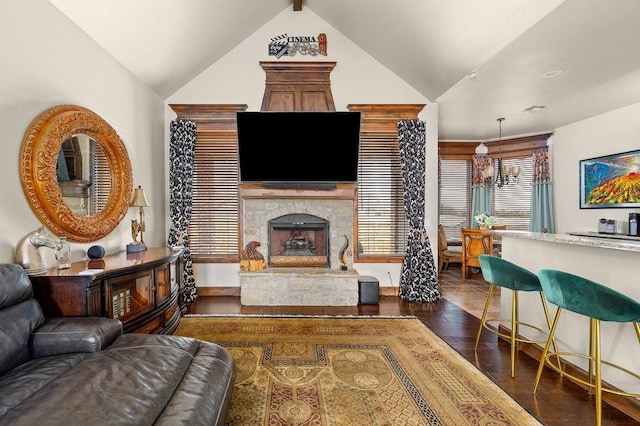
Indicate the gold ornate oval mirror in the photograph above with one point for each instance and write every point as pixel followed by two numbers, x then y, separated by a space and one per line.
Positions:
pixel 80 205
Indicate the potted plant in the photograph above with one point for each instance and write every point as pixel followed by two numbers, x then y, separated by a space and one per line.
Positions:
pixel 485 220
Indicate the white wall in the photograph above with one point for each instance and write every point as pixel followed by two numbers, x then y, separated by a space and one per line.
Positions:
pixel 47 60
pixel 237 78
pixel 609 133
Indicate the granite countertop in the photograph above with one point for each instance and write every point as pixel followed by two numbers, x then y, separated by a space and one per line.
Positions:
pixel 592 239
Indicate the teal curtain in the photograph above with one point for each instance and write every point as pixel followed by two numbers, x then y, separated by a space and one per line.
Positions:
pixel 541 193
pixel 481 188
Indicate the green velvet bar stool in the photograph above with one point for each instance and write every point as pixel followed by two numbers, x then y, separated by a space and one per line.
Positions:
pixel 502 273
pixel 598 303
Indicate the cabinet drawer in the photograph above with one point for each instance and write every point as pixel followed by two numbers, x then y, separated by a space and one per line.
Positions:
pixel 171 311
pixel 151 327
pixel 171 318
pixel 163 283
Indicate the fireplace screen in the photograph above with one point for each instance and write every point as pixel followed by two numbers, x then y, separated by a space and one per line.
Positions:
pixel 298 240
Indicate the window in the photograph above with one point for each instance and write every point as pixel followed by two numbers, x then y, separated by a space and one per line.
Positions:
pixel 101 178
pixel 512 203
pixel 213 230
pixel 455 196
pixel 382 228
pixel 382 224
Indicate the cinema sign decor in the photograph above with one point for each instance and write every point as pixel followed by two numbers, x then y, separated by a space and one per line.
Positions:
pixel 285 45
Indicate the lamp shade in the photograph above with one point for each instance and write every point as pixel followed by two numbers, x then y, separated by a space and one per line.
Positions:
pixel 139 199
pixel 482 149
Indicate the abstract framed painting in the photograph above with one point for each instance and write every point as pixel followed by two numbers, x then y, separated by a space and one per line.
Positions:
pixel 610 181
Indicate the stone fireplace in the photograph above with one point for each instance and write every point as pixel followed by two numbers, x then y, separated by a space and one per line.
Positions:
pixel 301 233
pixel 299 86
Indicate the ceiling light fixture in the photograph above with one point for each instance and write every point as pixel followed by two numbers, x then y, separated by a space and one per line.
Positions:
pixel 503 173
pixel 482 149
pixel 552 73
pixel 534 108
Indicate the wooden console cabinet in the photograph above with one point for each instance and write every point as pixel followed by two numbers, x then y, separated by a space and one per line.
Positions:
pixel 139 289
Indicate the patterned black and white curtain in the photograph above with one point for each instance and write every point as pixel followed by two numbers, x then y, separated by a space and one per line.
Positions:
pixel 181 151
pixel 419 279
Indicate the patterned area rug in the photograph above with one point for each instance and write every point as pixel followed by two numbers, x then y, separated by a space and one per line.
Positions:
pixel 351 371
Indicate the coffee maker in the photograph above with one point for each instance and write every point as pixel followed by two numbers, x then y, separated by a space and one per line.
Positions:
pixel 634 230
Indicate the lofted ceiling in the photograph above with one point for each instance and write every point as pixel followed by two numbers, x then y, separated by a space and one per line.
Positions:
pixel 479 60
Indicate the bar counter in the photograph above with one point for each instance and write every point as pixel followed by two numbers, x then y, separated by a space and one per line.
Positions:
pixel 613 262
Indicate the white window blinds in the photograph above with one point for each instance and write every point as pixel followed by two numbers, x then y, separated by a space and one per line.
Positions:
pixel 512 203
pixel 382 224
pixel 455 196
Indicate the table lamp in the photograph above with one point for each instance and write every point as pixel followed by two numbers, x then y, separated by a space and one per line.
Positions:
pixel 139 199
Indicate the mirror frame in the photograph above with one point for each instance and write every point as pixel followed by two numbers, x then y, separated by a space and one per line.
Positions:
pixel 38 159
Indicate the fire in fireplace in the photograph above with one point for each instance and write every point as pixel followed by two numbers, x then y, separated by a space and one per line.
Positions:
pixel 299 240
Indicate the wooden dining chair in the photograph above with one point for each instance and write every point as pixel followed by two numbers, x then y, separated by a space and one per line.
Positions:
pixel 474 243
pixel 497 240
pixel 446 254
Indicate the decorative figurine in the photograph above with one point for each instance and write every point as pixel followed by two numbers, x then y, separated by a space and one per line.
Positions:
pixel 251 259
pixel 63 253
pixel 27 251
pixel 95 254
pixel 322 44
pixel 137 244
pixel 342 254
pixel 136 228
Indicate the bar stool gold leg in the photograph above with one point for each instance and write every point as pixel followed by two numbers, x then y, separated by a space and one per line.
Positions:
pixel 554 344
pixel 514 330
pixel 484 315
pixel 595 325
pixel 545 351
pixel 592 357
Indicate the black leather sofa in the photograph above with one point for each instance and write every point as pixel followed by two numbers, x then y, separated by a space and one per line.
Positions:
pixel 84 371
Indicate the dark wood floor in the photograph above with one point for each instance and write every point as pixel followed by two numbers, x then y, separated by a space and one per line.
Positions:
pixel 557 402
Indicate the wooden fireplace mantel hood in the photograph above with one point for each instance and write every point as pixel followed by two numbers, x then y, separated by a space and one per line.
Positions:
pixel 297 86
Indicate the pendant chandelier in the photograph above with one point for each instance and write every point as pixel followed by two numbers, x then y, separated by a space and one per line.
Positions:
pixel 503 173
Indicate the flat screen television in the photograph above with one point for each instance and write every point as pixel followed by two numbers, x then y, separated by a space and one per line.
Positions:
pixel 298 149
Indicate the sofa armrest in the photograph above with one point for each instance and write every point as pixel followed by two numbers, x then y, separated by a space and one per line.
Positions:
pixel 73 334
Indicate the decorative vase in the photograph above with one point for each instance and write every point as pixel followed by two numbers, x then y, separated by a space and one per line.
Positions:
pixel 63 254
pixel 484 227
